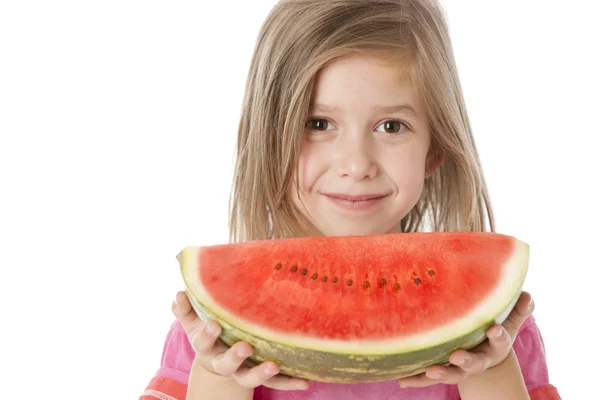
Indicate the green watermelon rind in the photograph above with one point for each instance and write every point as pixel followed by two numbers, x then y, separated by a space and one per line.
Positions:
pixel 365 365
pixel 345 368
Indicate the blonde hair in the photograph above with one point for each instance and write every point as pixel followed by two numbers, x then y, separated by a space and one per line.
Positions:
pixel 300 37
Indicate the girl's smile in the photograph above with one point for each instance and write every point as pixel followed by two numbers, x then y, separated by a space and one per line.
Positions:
pixel 357 203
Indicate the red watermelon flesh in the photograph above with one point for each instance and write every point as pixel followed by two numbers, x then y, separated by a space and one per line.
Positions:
pixel 345 289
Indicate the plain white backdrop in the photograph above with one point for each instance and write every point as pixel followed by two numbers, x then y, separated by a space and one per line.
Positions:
pixel 118 121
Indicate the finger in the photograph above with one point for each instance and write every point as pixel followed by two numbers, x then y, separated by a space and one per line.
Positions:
pixel 522 309
pixel 183 311
pixel 488 354
pixel 443 374
pixel 205 341
pixel 203 335
pixel 255 376
pixel 420 380
pixel 228 362
pixel 472 362
pixel 185 314
pixel 282 382
pixel 495 350
pixel 499 339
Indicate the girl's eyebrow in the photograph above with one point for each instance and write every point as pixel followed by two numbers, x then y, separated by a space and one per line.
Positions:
pixel 405 108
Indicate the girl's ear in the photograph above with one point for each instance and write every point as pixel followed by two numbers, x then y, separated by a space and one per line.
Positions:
pixel 434 160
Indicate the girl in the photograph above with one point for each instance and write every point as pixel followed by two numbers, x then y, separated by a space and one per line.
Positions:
pixel 354 123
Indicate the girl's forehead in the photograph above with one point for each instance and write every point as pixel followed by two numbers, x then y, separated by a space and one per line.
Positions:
pixel 356 81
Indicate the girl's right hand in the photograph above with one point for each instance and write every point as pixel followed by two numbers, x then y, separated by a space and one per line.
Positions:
pixel 216 357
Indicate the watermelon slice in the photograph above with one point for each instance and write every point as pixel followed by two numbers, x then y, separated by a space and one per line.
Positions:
pixel 357 308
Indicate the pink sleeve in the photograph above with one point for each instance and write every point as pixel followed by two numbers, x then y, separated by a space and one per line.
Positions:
pixel 531 353
pixel 170 381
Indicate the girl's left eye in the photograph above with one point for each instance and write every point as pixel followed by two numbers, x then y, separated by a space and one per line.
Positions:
pixel 392 126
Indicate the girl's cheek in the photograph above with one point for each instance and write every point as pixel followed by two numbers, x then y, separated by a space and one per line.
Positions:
pixel 313 164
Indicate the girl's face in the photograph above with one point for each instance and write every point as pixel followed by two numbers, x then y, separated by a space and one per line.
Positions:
pixel 364 156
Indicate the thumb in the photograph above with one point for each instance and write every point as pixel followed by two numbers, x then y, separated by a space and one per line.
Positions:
pixel 520 312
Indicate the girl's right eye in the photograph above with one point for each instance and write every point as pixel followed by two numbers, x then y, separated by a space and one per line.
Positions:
pixel 318 124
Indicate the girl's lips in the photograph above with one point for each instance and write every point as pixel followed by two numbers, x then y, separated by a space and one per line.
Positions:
pixel 362 202
pixel 355 197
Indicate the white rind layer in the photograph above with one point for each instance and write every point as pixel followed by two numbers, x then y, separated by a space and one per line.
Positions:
pixel 495 308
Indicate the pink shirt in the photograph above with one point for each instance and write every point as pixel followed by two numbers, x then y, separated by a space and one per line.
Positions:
pixel 171 379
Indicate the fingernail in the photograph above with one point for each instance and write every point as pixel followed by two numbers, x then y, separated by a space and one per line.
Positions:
pixel 269 370
pixel 302 386
pixel 499 332
pixel 242 353
pixel 531 303
pixel 463 361
pixel 438 376
pixel 211 329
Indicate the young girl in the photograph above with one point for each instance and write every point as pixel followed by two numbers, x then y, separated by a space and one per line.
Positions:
pixel 354 123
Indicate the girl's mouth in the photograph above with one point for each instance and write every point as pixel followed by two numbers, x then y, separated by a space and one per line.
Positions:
pixel 360 202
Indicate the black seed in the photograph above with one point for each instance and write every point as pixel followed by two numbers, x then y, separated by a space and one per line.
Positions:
pixel 278 266
pixel 366 284
pixel 334 279
pixel 431 272
pixel 314 276
pixel 418 281
pixel 304 271
pixel 324 279
pixel 349 283
pixel 294 268
pixel 383 282
pixel 397 287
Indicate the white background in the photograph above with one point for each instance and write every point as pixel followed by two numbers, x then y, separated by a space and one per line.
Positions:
pixel 118 123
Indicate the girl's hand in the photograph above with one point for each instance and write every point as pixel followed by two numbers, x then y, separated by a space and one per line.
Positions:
pixel 216 357
pixel 488 354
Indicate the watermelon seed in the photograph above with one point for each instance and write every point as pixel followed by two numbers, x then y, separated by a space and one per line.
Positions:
pixel 383 282
pixel 278 266
pixel 418 281
pixel 324 279
pixel 367 284
pixel 431 272
pixel 314 276
pixel 304 271
pixel 397 287
pixel 334 279
pixel 294 268
pixel 349 283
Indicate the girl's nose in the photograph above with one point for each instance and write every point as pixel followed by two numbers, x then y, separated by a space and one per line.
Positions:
pixel 355 158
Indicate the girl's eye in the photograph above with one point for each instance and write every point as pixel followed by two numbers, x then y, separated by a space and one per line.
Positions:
pixel 392 126
pixel 318 124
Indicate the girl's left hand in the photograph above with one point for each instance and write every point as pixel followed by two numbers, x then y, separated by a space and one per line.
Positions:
pixel 488 354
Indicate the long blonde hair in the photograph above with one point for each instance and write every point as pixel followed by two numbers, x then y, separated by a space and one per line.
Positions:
pixel 300 37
